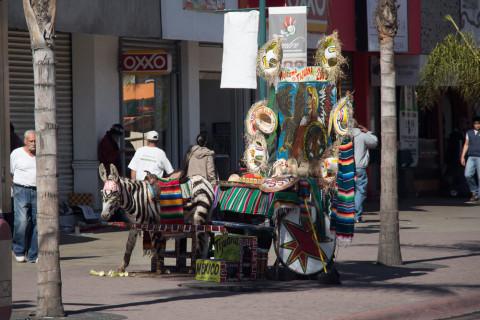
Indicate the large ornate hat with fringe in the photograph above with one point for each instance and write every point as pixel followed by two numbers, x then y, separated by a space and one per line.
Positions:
pixel 251 126
pixel 329 56
pixel 327 168
pixel 256 154
pixel 341 118
pixel 269 60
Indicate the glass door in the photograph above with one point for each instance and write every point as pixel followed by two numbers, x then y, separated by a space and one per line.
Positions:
pixel 146 107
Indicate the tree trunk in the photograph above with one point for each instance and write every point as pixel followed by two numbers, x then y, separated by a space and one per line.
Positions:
pixel 389 237
pixel 40 16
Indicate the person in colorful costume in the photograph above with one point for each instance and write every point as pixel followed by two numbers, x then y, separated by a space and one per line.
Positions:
pixel 362 141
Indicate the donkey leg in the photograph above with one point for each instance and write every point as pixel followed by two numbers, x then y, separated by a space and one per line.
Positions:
pixel 200 217
pixel 159 244
pixel 202 245
pixel 132 239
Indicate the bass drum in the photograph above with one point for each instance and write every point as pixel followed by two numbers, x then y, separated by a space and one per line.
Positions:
pixel 295 244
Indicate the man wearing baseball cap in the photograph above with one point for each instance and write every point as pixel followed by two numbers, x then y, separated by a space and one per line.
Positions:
pixel 150 158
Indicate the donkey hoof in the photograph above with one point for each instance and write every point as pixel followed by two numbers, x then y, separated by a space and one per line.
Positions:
pixel 121 270
pixel 190 270
pixel 159 271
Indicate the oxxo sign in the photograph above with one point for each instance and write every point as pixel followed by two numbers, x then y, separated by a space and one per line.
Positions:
pixel 146 62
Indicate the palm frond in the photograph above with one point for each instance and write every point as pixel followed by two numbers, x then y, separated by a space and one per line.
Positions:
pixel 453 63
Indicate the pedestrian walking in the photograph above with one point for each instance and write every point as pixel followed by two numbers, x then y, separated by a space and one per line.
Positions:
pixel 23 169
pixel 150 158
pixel 199 160
pixel 108 149
pixel 362 141
pixel 472 164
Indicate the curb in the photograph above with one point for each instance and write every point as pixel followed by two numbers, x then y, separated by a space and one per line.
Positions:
pixel 426 310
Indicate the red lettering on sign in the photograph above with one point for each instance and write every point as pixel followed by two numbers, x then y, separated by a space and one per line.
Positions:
pixel 146 62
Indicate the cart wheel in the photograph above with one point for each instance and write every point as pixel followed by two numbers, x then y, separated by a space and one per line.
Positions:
pixel 295 242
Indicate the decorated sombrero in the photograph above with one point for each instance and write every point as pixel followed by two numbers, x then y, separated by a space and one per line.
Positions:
pixel 278 166
pixel 341 118
pixel 327 168
pixel 250 121
pixel 235 183
pixel 269 60
pixel 329 56
pixel 279 183
pixel 266 120
pixel 256 154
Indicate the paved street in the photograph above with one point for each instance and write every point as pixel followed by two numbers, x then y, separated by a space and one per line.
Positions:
pixel 440 277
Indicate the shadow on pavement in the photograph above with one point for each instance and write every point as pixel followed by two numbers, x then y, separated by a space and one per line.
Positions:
pixel 164 299
pixel 372 275
pixel 413 204
pixel 371 224
pixel 30 315
pixel 71 238
pixel 368 275
pixel 22 304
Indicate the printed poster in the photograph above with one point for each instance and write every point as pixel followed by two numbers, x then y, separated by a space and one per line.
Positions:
pixel 290 24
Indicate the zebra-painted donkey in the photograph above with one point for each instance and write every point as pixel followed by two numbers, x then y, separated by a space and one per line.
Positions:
pixel 133 196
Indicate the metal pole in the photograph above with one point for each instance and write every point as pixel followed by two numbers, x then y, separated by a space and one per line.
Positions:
pixel 261 42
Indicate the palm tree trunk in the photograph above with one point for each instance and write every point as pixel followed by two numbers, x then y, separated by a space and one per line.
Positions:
pixel 40 17
pixel 389 237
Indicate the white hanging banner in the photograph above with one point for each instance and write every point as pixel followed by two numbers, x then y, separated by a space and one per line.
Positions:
pixel 240 46
pixel 290 23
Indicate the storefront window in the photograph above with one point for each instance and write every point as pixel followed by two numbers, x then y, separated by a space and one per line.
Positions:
pixel 146 101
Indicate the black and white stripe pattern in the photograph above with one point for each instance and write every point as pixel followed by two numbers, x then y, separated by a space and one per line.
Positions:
pixel 135 200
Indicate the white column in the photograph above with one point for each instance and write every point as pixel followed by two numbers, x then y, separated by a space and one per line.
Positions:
pixel 96 105
pixel 190 93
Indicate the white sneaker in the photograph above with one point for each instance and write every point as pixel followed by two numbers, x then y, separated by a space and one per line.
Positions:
pixel 34 261
pixel 20 258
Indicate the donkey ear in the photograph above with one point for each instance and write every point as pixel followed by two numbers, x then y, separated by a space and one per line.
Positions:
pixel 102 172
pixel 114 172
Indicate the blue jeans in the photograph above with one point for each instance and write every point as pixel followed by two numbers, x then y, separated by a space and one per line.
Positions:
pixel 360 191
pixel 472 165
pixel 25 239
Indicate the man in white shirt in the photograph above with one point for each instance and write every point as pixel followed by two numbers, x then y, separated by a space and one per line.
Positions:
pixel 24 177
pixel 150 158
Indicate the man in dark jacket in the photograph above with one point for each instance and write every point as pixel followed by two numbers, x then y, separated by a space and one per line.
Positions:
pixel 472 146
pixel 108 149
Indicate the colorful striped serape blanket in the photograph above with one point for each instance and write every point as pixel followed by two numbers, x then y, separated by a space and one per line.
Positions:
pixel 171 201
pixel 245 200
pixel 343 206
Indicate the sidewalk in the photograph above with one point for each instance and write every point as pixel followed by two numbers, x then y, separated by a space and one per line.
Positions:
pixel 439 278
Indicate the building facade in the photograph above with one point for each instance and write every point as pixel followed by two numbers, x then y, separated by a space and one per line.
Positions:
pixel 95 88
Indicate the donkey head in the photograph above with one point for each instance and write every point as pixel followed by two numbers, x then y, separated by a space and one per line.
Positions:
pixel 110 191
